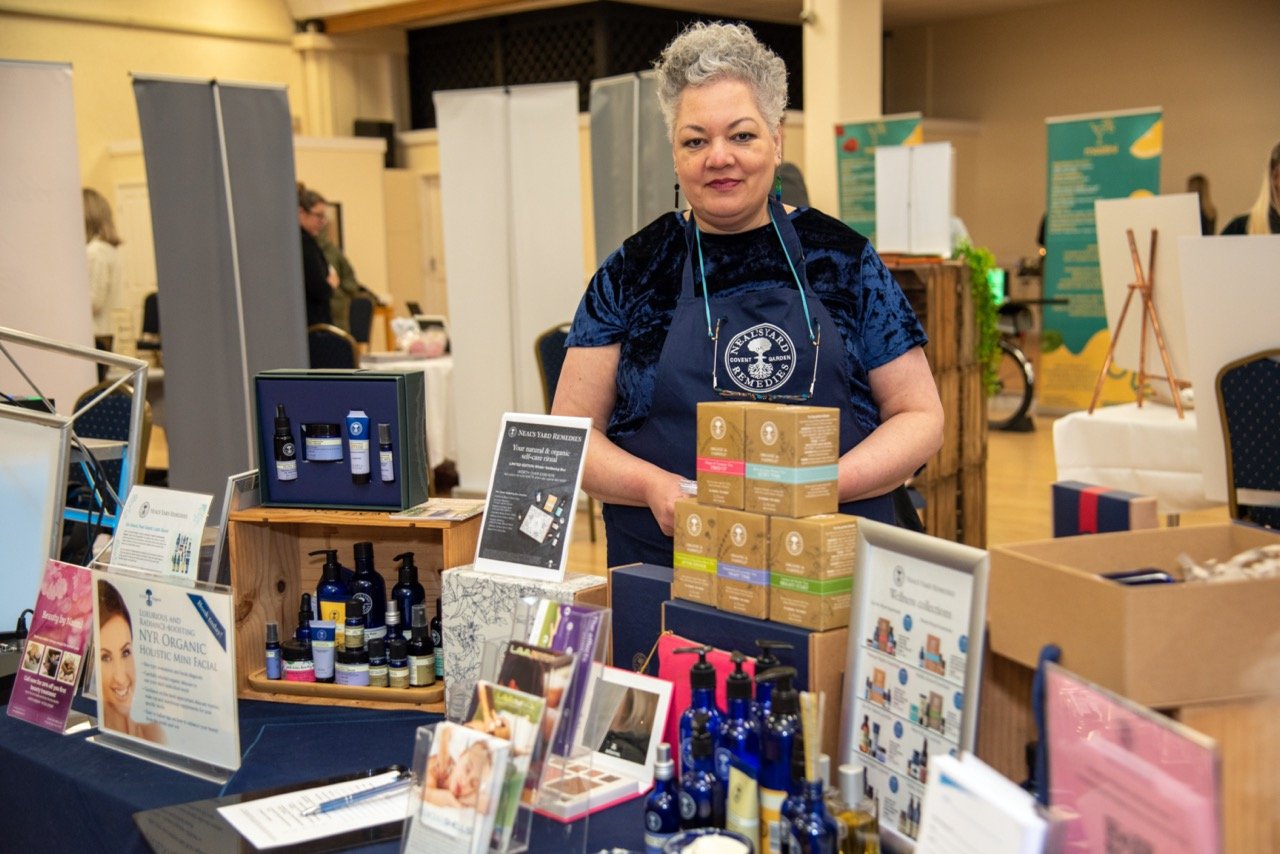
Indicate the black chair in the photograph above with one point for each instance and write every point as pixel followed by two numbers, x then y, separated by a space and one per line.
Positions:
pixel 1248 392
pixel 331 347
pixel 149 339
pixel 360 320
pixel 549 350
pixel 109 418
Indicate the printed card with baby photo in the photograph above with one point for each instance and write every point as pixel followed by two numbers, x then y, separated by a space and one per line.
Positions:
pixel 461 785
pixel 517 717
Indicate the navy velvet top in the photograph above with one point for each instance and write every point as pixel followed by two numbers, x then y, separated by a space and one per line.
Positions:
pixel 632 297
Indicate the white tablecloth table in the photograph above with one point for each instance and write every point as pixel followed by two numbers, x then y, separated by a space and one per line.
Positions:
pixel 442 431
pixel 1146 449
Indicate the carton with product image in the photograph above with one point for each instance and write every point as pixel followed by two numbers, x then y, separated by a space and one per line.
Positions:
pixel 742 569
pixel 720 463
pixel 694 559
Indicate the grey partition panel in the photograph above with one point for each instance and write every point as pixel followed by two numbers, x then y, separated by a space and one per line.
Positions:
pixel 230 301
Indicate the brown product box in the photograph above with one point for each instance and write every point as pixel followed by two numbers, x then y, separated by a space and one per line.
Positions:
pixel 819 547
pixel 721 464
pixel 810 604
pixel 791 454
pixel 1163 645
pixel 742 570
pixel 695 551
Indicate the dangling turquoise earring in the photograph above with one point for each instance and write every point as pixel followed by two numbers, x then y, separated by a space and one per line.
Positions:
pixel 777 187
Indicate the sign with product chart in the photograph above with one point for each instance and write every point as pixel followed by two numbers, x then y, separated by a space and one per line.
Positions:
pixel 914 664
pixel 165 655
pixel 537 471
pixel 1100 156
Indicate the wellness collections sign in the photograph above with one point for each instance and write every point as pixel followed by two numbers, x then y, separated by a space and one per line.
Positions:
pixel 1103 156
pixel 856 145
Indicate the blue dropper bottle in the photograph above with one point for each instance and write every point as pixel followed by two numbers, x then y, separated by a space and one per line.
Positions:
pixel 662 805
pixel 701 795
pixel 702 682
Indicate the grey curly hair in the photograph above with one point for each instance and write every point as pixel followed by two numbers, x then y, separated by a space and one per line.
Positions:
pixel 705 53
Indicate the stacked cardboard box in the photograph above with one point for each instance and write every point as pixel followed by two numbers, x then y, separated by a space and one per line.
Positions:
pixel 762 468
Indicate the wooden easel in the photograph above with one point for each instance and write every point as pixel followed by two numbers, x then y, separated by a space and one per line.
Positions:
pixel 1143 286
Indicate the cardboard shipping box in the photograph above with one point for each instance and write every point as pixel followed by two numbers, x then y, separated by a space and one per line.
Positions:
pixel 1163 645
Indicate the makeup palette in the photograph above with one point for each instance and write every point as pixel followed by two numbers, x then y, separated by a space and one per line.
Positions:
pixel 614 762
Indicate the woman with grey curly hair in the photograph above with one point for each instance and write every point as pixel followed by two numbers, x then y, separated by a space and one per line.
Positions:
pixel 740 297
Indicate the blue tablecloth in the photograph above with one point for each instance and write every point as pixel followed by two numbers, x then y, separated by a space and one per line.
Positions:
pixel 63 793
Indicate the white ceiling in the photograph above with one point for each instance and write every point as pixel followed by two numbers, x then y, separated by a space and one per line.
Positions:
pixel 897 13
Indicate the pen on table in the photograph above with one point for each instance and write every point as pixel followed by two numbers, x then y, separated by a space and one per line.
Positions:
pixel 401 782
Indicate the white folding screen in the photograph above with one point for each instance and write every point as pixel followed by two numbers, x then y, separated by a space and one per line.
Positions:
pixel 510 185
pixel 44 279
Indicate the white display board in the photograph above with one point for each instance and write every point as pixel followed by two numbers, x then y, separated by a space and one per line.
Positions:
pixel 510 179
pixel 1231 289
pixel 915 191
pixel 33 478
pixel 1171 217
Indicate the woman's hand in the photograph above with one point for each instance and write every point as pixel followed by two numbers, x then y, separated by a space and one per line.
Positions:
pixel 661 495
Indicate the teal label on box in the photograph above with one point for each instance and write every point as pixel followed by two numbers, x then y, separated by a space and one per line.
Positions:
pixel 792 475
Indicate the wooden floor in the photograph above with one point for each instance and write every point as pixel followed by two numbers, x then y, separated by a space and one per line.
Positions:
pixel 1020 469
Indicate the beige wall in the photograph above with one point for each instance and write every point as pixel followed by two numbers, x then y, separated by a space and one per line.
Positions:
pixel 1213 67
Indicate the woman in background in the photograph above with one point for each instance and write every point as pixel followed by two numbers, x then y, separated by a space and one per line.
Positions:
pixel 1264 216
pixel 106 280
pixel 1199 185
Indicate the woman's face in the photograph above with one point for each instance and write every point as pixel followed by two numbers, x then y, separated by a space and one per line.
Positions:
pixel 725 155
pixel 115 660
pixel 313 221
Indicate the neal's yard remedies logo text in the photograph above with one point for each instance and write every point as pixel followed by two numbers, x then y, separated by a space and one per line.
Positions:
pixel 760 359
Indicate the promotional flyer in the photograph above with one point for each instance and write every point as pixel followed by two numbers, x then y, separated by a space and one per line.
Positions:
pixel 160 531
pixel 45 683
pixel 856 144
pixel 537 471
pixel 166 666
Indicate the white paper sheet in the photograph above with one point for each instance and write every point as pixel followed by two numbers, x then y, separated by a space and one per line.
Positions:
pixel 160 531
pixel 276 821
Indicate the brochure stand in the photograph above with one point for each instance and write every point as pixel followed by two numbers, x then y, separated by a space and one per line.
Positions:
pixel 166 671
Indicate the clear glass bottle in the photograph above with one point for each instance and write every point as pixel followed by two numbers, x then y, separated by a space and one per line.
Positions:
pixel 855 813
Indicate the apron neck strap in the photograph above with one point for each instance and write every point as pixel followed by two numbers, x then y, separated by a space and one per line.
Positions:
pixel 791 248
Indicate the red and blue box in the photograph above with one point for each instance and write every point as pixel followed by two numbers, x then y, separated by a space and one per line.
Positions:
pixel 1084 508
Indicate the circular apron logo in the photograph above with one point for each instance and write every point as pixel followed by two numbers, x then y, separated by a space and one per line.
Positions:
pixel 739 535
pixel 795 543
pixel 694 525
pixel 760 359
pixel 717 427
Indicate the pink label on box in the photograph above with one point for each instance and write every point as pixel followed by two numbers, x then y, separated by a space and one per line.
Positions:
pixel 712 465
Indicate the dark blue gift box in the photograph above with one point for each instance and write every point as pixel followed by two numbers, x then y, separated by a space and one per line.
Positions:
pixel 1084 508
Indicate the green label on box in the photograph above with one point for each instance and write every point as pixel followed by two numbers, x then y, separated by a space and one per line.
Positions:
pixel 698 563
pixel 812 586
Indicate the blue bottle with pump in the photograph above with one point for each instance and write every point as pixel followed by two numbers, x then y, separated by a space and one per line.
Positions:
pixel 407 592
pixel 738 754
pixel 779 740
pixel 702 682
pixel 662 804
pixel 331 592
pixel 701 795
pixel 367 586
pixel 765 661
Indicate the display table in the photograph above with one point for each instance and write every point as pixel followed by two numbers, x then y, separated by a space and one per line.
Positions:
pixel 442 430
pixel 62 793
pixel 1146 449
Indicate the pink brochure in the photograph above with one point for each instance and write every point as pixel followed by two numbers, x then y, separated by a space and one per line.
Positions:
pixel 675 669
pixel 51 661
pixel 1128 778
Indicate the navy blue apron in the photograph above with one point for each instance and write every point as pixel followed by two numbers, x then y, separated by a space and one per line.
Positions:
pixel 764 347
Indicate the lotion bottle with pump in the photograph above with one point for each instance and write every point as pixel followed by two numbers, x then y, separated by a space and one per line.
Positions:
pixel 766 660
pixel 738 754
pixel 701 795
pixel 662 805
pixel 367 586
pixel 407 592
pixel 331 592
pixel 779 740
pixel 702 681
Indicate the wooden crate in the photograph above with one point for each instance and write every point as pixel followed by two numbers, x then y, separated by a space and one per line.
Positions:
pixel 271 568
pixel 940 496
pixel 971 527
pixel 933 290
pixel 947 460
pixel 973 414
